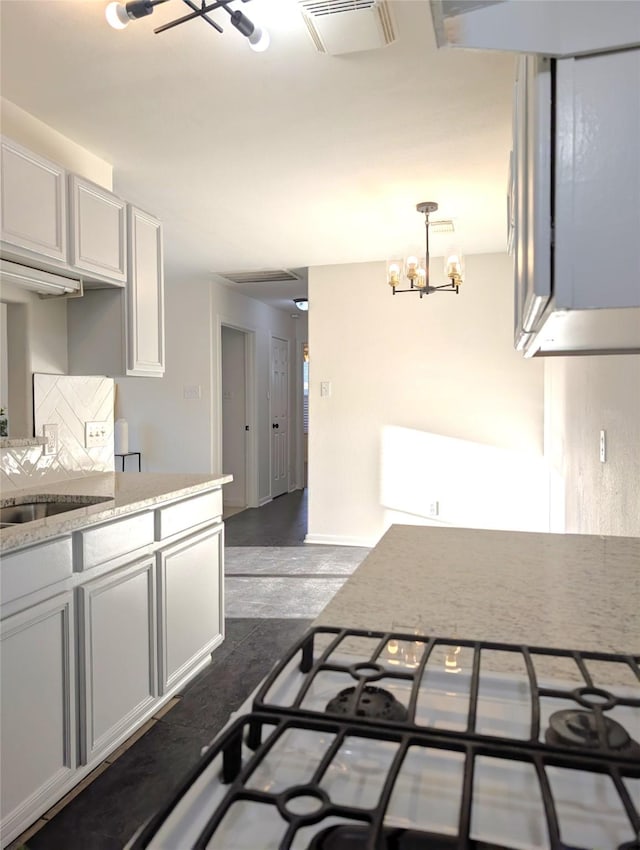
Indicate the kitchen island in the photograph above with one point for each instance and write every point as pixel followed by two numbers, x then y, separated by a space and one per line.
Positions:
pixel 560 590
pixel 107 609
pixel 413 742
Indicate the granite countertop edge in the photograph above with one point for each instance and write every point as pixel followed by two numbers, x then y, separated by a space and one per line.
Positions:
pixel 121 493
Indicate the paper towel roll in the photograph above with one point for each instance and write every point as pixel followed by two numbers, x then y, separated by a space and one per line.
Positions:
pixel 121 437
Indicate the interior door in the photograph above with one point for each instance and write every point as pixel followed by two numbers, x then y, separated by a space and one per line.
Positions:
pixel 279 416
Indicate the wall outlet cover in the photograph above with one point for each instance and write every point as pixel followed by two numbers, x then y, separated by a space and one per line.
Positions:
pixel 50 434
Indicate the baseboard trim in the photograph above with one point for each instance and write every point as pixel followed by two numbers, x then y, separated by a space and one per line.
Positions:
pixel 234 503
pixel 339 540
pixel 264 501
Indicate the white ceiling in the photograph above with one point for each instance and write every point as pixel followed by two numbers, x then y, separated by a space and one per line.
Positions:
pixel 288 158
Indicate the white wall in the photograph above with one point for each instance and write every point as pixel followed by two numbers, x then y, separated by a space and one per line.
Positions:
pixel 185 435
pixel 444 365
pixel 584 395
pixel 44 140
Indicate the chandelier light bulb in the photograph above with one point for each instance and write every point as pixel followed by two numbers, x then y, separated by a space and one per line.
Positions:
pixel 116 15
pixel 394 274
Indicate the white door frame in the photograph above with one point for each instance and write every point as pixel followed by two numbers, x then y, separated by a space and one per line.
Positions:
pixel 251 404
pixel 299 429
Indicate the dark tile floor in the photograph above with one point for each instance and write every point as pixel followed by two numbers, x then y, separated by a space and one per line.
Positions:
pixel 110 810
pixel 282 522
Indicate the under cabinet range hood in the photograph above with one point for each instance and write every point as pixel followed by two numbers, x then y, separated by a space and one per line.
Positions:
pixel 44 283
pixel 560 28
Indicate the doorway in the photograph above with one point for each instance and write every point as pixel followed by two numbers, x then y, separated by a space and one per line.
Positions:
pixel 279 416
pixel 235 421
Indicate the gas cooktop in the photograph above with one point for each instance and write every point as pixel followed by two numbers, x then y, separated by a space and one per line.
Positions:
pixel 363 739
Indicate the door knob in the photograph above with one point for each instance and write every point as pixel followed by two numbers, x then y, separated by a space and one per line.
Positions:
pixel 275 425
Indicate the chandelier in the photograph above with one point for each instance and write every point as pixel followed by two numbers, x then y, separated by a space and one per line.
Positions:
pixel 416 270
pixel 119 15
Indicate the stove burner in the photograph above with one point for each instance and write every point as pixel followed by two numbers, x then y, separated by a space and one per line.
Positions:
pixel 373 703
pixel 579 728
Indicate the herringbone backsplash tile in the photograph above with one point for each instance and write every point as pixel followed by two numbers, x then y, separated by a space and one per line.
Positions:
pixel 67 401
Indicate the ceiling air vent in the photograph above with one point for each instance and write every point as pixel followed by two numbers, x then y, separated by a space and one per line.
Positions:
pixel 444 226
pixel 267 276
pixel 348 26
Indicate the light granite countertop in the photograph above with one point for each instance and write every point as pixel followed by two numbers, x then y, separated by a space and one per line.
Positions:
pixel 558 590
pixel 124 492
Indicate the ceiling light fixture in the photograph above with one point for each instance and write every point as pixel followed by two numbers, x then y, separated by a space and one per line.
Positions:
pixel 118 16
pixel 301 304
pixel 416 270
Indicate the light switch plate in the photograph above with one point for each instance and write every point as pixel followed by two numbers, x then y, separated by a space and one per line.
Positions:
pixel 96 434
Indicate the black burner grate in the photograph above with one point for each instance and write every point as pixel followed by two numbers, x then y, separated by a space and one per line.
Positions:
pixel 365 827
pixel 245 745
pixel 365 671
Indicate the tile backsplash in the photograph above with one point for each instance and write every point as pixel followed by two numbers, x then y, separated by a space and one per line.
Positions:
pixel 67 401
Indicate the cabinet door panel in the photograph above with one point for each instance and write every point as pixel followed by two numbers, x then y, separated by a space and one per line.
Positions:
pixel 191 603
pixel 118 649
pixel 33 208
pixel 145 295
pixel 38 729
pixel 98 229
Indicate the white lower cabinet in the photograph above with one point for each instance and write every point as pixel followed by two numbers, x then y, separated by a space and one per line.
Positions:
pixel 38 728
pixel 139 609
pixel 190 603
pixel 117 654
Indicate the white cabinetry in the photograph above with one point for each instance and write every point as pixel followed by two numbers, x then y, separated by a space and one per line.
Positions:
pixel 33 207
pixel 117 665
pixel 98 231
pixel 190 603
pixel 145 300
pixel 38 729
pixel 148 612
pixel 576 195
pixel 122 333
pixel 559 29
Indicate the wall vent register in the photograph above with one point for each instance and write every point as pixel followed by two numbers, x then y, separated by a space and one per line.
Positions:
pixel 366 739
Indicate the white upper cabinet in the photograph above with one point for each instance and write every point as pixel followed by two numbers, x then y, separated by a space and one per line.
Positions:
pixel 121 332
pixel 562 28
pixel 98 230
pixel 145 301
pixel 575 192
pixel 33 209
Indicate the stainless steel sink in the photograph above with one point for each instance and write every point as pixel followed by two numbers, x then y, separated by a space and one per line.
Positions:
pixel 28 511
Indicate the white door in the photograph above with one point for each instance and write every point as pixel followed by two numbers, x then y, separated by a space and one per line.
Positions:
pixel 234 416
pixel 279 417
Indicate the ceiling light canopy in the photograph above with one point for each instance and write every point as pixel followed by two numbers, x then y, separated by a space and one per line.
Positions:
pixel 119 15
pixel 301 304
pixel 416 270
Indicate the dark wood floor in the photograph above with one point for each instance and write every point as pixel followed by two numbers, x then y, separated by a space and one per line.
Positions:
pixel 281 522
pixel 107 813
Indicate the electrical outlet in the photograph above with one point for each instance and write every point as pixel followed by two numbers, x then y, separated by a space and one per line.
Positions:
pixel 434 508
pixel 96 434
pixel 325 389
pixel 50 434
pixel 603 446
